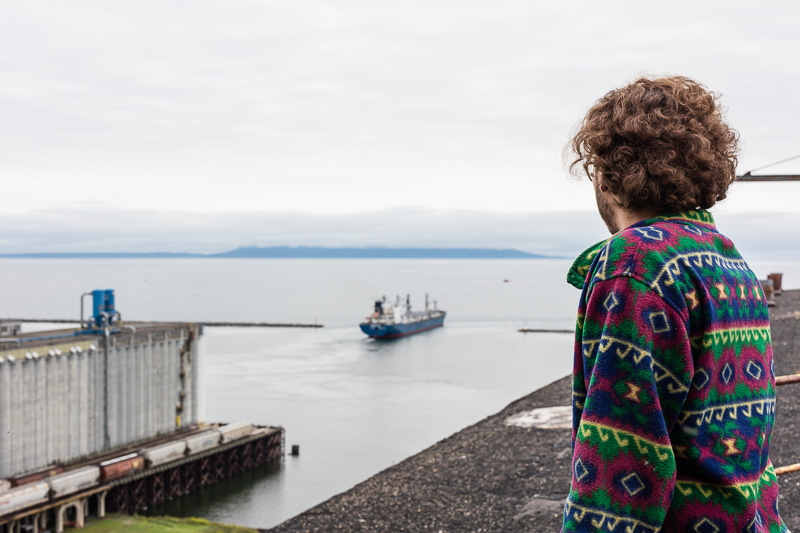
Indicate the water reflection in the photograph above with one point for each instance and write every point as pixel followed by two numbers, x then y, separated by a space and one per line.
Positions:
pixel 356 405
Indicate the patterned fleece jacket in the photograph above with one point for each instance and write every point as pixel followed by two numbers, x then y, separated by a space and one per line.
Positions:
pixel 674 385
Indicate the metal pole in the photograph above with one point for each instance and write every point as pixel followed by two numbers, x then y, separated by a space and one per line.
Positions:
pixel 787 380
pixel 82 295
pixel 787 469
pixel 769 177
pixel 107 436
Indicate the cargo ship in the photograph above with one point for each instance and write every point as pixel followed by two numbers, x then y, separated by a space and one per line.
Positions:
pixel 390 321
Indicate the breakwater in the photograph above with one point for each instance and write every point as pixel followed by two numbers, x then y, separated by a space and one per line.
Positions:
pixel 157 323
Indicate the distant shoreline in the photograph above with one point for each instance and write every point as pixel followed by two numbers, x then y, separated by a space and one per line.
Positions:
pixel 302 252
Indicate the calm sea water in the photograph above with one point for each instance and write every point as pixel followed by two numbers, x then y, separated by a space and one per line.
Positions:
pixel 355 406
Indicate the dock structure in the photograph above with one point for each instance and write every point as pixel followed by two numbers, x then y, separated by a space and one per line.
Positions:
pixel 105 417
pixel 145 487
pixel 148 488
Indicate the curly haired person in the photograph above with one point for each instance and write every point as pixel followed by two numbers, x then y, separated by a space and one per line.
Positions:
pixel 673 380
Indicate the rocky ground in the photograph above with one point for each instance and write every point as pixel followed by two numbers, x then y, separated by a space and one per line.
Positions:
pixel 492 477
pixel 785 450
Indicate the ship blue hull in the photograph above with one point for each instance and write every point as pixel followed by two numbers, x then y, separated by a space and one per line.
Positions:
pixel 393 331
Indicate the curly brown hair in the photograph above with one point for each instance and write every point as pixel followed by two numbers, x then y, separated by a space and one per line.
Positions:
pixel 659 145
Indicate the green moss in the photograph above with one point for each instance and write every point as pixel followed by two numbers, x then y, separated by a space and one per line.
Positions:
pixel 161 524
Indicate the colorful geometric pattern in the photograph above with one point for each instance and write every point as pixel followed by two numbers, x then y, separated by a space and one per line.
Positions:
pixel 673 385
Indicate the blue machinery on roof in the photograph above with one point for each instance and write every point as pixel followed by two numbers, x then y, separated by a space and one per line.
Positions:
pixel 105 320
pixel 104 314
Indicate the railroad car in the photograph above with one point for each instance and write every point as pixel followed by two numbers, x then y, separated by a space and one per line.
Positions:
pixel 235 430
pixel 36 475
pixel 164 453
pixel 52 482
pixel 23 496
pixel 120 466
pixel 202 441
pixel 73 481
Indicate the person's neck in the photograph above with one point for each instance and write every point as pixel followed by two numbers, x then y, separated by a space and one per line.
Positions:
pixel 625 218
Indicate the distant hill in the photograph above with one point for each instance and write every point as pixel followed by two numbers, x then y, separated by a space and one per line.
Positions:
pixel 320 252
pixel 305 252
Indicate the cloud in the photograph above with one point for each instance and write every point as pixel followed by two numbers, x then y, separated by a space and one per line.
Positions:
pixel 335 108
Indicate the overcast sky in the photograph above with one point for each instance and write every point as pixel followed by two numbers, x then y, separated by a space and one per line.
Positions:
pixel 202 126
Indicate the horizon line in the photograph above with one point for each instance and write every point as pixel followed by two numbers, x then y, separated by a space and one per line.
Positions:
pixel 305 251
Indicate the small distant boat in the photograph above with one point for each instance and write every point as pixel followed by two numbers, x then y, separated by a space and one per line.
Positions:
pixel 389 321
